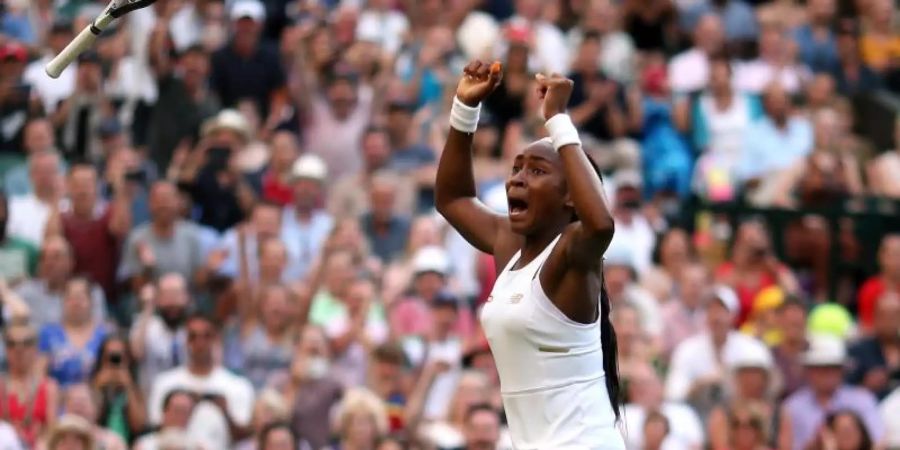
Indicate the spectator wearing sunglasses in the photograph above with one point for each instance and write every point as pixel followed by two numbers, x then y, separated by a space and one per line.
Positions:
pixel 28 398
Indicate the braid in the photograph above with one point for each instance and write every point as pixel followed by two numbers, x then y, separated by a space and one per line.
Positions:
pixel 610 351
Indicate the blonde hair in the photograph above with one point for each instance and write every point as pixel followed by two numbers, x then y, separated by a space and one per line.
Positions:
pixel 468 379
pixel 71 424
pixel 361 401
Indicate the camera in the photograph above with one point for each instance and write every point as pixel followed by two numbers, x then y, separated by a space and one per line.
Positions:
pixel 115 359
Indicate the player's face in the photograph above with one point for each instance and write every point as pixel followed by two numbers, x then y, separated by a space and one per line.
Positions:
pixel 536 189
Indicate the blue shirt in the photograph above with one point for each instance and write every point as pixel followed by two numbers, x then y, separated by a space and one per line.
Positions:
pixel 818 55
pixel 769 149
pixel 807 414
pixel 303 240
pixel 68 364
pixel 738 19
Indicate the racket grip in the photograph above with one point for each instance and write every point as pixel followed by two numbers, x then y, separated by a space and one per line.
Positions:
pixel 82 42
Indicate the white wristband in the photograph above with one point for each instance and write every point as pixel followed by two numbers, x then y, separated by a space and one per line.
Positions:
pixel 464 117
pixel 562 131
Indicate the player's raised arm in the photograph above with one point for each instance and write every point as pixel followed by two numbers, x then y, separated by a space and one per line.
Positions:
pixel 455 194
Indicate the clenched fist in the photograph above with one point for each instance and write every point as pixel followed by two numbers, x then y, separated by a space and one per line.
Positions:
pixel 555 90
pixel 478 81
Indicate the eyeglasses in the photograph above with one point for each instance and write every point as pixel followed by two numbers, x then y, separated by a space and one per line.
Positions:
pixel 20 343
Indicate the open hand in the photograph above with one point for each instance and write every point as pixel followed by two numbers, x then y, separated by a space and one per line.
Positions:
pixel 478 81
pixel 555 90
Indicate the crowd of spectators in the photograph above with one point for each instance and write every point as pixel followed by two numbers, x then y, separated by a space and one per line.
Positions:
pixel 217 226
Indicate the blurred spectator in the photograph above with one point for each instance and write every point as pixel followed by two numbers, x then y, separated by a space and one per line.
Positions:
pixel 225 403
pixel 684 314
pixel 357 325
pixel 635 237
pixel 79 115
pixel 674 254
pixel 879 42
pixel 888 280
pixel 762 323
pixel 277 436
pixel 387 231
pixel 165 244
pixel 645 393
pixel 243 244
pixel 843 430
pixel 18 257
pixel 737 16
pixel 29 398
pixel 851 74
pixel 270 409
pixel 360 420
pixel 275 179
pixel 876 359
pixel 382 24
pixel 348 196
pixel 158 336
pixel 53 92
pixel 79 401
pixel 748 429
pixel 9 438
pixel 482 428
pixel 19 100
pixel 388 377
pixel 792 344
pixel 651 25
pixel 113 382
pixel 71 433
pixel 776 62
pixel 881 169
pixel 304 224
pixel 71 344
pixel 619 274
pixel 37 136
pixel 753 267
pixel 656 431
pixel 804 412
pixel 177 408
pixel 550 51
pixel 888 409
pixel 29 213
pixel 816 39
pixel 689 70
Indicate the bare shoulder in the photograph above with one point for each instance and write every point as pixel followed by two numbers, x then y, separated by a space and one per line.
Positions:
pixel 507 244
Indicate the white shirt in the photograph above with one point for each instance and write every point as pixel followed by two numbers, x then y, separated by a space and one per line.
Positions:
pixel 551 367
pixel 52 91
pixel 754 76
pixel 685 429
pixel 164 349
pixel 695 359
pixel 383 27
pixel 636 238
pixel 689 71
pixel 9 440
pixel 207 422
pixel 890 413
pixel 28 218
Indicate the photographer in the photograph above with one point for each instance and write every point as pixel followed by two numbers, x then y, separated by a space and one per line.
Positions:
pixel 113 382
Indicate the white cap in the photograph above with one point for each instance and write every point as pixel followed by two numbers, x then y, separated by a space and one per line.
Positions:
pixel 825 350
pixel 727 297
pixel 628 178
pixel 228 119
pixel 431 259
pixel 252 9
pixel 309 166
pixel 755 356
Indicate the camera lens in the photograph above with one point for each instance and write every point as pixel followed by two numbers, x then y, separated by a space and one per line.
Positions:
pixel 115 359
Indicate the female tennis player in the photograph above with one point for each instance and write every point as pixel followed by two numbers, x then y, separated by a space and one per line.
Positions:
pixel 547 320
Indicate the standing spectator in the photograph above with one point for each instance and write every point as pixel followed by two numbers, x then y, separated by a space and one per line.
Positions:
pixel 165 244
pixel 815 39
pixel 805 410
pixel 18 257
pixel 53 92
pixel 617 48
pixel 44 294
pixel 387 231
pixel 304 224
pixel 28 214
pixel 245 241
pixel 95 230
pixel 684 315
pixel 246 67
pixel 114 382
pixel 876 359
pixel 887 280
pixel 18 102
pixel 689 70
pixel 226 400
pixel 71 345
pixel 28 398
pixel 158 336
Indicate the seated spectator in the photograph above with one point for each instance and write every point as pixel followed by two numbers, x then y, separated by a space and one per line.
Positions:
pixel 788 353
pixel 78 400
pixel 360 420
pixel 774 143
pixel 805 411
pixel 386 230
pixel 304 224
pixel 684 314
pixel 223 412
pixel 879 43
pixel 645 399
pixel 70 433
pixel 71 345
pixel 29 398
pixel 18 257
pixel 851 74
pixel 881 169
pixel 29 213
pixel 775 64
pixel 843 430
pixel 164 245
pixel 753 267
pixel 44 294
pixel 178 405
pixel 113 382
pixel 887 280
pixel 816 39
pixel 876 359
pixel 689 70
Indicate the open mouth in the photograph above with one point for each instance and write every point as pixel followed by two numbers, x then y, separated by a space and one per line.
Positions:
pixel 517 206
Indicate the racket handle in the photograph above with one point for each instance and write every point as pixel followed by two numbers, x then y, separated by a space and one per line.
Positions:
pixel 82 42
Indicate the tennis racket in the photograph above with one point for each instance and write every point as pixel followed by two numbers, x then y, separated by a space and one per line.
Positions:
pixel 85 39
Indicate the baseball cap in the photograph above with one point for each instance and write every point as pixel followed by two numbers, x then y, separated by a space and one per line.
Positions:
pixel 831 319
pixel 628 178
pixel 431 259
pixel 825 351
pixel 755 356
pixel 248 9
pixel 310 167
pixel 13 51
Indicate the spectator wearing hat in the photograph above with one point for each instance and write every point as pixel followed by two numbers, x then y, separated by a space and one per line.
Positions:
pixel 698 368
pixel 246 67
pixel 71 432
pixel 348 197
pixel 386 230
pixel 875 360
pixel 753 383
pixel 305 224
pixel 805 410
pixel 19 101
pixel 53 91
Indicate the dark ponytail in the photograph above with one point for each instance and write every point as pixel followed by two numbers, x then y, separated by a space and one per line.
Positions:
pixel 610 351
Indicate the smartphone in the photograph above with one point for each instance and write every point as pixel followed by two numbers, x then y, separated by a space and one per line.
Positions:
pixel 136 176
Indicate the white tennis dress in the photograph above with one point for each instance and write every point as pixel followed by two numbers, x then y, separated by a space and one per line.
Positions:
pixel 551 367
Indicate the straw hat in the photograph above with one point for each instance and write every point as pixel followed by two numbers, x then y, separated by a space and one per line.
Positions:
pixel 71 424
